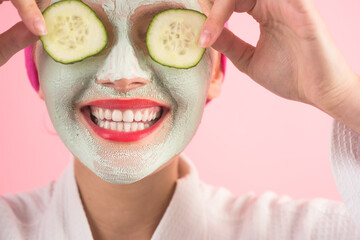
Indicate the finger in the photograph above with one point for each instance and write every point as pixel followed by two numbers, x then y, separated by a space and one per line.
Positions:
pixel 239 52
pixel 13 40
pixel 31 16
pixel 244 5
pixel 219 14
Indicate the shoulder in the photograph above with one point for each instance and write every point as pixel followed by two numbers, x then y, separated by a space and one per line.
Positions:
pixel 270 216
pixel 21 214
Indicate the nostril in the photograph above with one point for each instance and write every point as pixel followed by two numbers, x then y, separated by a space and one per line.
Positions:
pixel 134 85
pixel 124 85
pixel 107 84
pixel 137 84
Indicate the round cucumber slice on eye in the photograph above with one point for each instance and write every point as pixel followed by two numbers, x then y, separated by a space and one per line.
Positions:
pixel 172 38
pixel 74 32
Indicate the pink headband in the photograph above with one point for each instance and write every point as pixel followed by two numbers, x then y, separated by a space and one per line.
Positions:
pixel 223 64
pixel 31 68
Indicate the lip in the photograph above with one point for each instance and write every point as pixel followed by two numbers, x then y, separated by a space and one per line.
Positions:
pixel 122 104
pixel 125 103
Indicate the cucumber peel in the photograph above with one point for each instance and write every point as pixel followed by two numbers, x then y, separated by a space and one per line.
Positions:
pixel 74 32
pixel 172 38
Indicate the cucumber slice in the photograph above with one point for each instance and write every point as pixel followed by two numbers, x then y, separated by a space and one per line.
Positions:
pixel 74 32
pixel 172 38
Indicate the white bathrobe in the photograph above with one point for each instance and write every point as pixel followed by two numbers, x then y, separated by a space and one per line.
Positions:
pixel 199 211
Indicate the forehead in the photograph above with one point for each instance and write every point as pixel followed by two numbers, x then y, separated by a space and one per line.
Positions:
pixel 127 7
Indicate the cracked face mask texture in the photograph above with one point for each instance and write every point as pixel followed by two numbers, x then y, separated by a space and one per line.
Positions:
pixel 65 87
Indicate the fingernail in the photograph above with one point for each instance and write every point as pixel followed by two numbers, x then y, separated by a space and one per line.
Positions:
pixel 40 26
pixel 204 38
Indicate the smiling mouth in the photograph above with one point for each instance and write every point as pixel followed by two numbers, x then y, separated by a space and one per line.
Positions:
pixel 130 120
pixel 124 120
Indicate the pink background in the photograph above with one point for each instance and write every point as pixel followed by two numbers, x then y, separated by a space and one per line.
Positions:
pixel 249 139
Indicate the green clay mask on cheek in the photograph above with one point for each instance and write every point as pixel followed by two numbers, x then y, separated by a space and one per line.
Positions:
pixel 65 87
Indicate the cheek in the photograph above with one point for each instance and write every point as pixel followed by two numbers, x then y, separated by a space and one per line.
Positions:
pixel 189 85
pixel 63 83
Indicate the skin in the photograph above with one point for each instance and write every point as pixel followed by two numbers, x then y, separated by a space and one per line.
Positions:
pixel 301 45
pixel 132 211
pixel 295 41
pixel 184 92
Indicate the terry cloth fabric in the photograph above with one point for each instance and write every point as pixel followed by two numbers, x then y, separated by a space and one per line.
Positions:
pixel 345 161
pixel 197 211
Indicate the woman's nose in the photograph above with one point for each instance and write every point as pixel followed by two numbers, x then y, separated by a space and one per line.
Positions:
pixel 125 84
pixel 123 69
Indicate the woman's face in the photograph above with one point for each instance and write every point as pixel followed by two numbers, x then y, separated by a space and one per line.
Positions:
pixel 120 113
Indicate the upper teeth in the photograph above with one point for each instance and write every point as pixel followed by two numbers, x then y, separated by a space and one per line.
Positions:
pixel 127 116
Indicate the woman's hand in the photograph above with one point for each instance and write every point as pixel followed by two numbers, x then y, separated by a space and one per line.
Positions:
pixel 295 56
pixel 23 33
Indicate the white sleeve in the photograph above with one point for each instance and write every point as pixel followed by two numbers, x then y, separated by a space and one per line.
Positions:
pixel 9 227
pixel 279 217
pixel 345 162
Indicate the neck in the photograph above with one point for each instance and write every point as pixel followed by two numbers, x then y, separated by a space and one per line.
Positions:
pixel 132 211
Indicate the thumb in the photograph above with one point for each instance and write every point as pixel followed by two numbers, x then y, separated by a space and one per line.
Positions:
pixel 235 49
pixel 13 40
